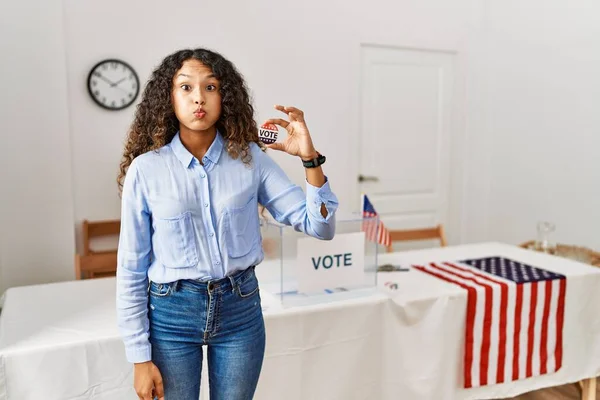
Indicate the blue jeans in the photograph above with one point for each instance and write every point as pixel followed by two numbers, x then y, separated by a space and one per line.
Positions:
pixel 225 315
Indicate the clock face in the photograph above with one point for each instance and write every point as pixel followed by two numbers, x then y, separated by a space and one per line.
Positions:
pixel 113 84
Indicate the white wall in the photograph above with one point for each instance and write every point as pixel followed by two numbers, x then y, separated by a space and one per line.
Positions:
pixel 69 149
pixel 529 72
pixel 36 206
pixel 540 102
pixel 307 56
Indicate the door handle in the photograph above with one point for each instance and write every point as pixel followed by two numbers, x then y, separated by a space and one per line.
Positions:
pixel 362 178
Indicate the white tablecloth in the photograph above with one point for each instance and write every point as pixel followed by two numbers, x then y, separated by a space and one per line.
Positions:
pixel 425 322
pixel 59 341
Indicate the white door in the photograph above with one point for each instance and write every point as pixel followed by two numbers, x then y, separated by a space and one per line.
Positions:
pixel 406 102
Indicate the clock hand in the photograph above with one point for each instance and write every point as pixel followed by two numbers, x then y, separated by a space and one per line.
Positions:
pixel 116 83
pixel 122 90
pixel 105 80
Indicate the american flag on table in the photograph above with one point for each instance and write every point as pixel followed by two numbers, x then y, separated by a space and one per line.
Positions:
pixel 514 318
pixel 374 229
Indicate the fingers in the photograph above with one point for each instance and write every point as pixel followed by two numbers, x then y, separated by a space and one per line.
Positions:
pixel 145 393
pixel 278 121
pixel 276 146
pixel 148 382
pixel 152 394
pixel 159 390
pixel 292 112
pixel 145 396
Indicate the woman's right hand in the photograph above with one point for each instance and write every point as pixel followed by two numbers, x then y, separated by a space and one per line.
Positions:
pixel 147 381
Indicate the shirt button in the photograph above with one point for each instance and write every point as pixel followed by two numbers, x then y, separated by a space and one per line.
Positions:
pixel 211 234
pixel 218 262
pixel 205 204
pixel 202 176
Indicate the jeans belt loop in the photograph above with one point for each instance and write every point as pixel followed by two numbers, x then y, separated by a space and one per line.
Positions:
pixel 232 283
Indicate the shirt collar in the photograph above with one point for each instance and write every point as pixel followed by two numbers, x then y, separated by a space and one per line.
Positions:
pixel 215 149
pixel 212 155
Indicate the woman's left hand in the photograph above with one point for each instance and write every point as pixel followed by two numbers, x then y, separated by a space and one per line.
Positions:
pixel 298 141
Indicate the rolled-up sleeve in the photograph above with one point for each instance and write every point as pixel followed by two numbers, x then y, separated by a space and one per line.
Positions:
pixel 133 261
pixel 316 196
pixel 288 204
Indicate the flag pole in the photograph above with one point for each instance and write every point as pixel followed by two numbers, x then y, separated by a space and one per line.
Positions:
pixel 362 202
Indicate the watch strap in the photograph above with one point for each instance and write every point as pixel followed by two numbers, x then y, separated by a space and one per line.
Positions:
pixel 315 162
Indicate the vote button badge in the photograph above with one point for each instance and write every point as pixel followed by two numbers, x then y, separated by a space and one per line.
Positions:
pixel 267 133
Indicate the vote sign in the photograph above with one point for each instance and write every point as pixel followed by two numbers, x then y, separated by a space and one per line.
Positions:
pixel 329 264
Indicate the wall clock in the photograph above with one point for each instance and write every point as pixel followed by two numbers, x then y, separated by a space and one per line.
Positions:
pixel 113 84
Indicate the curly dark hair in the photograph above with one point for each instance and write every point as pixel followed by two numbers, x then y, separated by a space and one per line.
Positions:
pixel 155 123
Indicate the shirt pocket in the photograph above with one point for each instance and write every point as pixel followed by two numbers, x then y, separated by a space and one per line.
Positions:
pixel 176 241
pixel 242 229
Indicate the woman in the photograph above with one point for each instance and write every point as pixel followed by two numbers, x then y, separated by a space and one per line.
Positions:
pixel 192 178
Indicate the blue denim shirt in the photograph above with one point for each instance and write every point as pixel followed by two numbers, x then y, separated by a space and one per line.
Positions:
pixel 181 219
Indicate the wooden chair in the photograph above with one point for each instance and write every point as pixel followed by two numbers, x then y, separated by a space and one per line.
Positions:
pixel 96 229
pixel 418 234
pixel 92 266
pixel 97 263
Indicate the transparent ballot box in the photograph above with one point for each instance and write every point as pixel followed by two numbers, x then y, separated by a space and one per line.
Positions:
pixel 299 269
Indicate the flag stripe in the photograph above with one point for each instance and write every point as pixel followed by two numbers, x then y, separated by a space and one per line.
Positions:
pixel 502 333
pixel 544 341
pixel 560 318
pixel 537 332
pixel 530 336
pixel 470 318
pixel 524 334
pixel 502 325
pixel 551 345
pixel 487 323
pixel 510 328
pixel 516 344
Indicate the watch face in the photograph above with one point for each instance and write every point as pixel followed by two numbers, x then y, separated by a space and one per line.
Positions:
pixel 113 84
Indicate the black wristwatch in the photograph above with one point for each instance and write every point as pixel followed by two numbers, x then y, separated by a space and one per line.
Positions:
pixel 315 162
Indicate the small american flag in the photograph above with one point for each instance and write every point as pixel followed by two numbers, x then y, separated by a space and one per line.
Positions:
pixel 514 318
pixel 374 229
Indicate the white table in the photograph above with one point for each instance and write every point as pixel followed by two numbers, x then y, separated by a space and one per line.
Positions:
pixel 424 327
pixel 59 341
